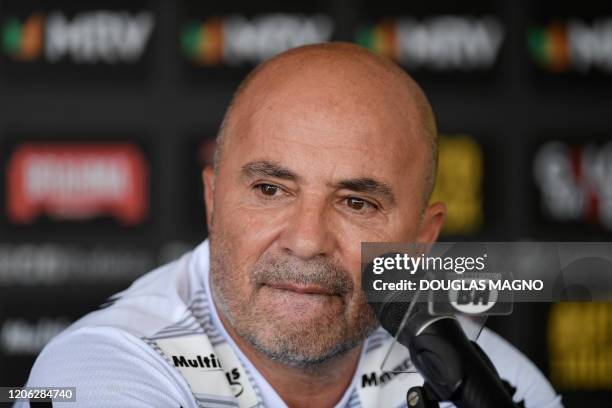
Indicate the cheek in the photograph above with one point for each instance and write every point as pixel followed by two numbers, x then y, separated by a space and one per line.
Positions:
pixel 251 228
pixel 351 235
pixel 245 232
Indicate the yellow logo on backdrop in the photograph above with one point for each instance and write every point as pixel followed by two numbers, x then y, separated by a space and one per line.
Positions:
pixel 459 183
pixel 580 345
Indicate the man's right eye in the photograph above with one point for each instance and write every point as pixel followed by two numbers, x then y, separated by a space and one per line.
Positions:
pixel 267 189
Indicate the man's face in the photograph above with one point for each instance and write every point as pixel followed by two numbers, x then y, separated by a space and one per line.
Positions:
pixel 309 173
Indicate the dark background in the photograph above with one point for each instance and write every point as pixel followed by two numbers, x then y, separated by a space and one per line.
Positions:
pixel 57 267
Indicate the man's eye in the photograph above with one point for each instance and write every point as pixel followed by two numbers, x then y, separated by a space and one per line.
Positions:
pixel 359 204
pixel 268 189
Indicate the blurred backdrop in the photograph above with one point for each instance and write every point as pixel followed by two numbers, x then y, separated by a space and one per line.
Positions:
pixel 109 109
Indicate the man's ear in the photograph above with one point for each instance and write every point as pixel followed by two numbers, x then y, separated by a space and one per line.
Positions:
pixel 208 179
pixel 431 223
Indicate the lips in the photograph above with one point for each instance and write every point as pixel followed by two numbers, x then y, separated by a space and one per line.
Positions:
pixel 301 289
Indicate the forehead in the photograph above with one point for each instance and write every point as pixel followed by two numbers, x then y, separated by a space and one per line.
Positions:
pixel 332 121
pixel 330 124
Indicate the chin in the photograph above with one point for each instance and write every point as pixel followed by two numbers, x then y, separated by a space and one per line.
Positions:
pixel 302 348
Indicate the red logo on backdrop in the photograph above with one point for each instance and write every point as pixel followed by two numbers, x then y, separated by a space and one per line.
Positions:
pixel 575 182
pixel 75 181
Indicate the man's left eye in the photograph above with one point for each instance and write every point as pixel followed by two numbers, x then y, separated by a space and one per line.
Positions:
pixel 267 189
pixel 359 204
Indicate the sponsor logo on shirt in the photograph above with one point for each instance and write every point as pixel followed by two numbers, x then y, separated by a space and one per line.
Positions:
pixel 233 377
pixel 198 361
pixel 375 379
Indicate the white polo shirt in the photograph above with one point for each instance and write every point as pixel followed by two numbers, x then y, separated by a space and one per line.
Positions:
pixel 160 343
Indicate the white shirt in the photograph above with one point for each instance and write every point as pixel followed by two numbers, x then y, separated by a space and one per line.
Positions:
pixel 108 355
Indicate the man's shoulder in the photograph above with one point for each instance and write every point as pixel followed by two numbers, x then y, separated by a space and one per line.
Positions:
pixel 519 371
pixel 109 367
pixel 509 361
pixel 109 349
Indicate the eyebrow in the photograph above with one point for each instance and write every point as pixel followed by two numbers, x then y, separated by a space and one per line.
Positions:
pixel 370 186
pixel 265 168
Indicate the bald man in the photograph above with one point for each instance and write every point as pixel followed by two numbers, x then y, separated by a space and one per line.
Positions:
pixel 323 147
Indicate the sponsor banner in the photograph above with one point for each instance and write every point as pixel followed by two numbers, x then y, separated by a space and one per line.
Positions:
pixel 76 37
pixel 75 181
pixel 573 185
pixel 440 38
pixel 30 318
pixel 58 265
pixel 580 346
pixel 572 45
pixel 570 40
pixel 459 184
pixel 235 39
pixel 239 36
pixel 23 336
pixel 438 43
pixel 51 264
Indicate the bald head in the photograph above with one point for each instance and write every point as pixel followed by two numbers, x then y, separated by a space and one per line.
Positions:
pixel 334 73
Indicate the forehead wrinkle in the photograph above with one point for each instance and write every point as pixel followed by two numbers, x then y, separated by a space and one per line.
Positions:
pixel 308 132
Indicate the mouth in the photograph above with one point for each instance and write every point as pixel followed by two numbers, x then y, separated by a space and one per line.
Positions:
pixel 301 289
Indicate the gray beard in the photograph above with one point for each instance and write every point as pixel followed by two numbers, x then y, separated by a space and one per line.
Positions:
pixel 282 353
pixel 296 347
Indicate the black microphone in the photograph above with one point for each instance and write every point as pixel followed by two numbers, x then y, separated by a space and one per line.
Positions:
pixel 452 366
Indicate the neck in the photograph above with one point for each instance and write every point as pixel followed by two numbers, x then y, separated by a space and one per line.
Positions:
pixel 298 387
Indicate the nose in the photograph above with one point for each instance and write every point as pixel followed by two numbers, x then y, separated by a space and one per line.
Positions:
pixel 309 231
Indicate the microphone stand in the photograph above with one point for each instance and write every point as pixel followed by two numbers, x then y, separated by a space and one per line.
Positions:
pixel 468 383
